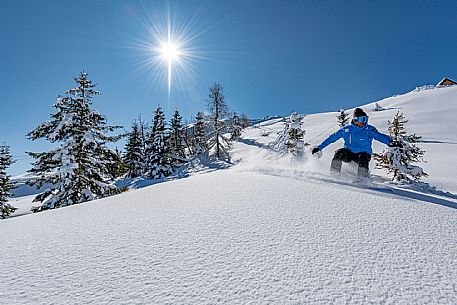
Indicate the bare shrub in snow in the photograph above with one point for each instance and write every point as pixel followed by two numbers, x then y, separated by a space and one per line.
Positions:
pixel 244 121
pixel 218 109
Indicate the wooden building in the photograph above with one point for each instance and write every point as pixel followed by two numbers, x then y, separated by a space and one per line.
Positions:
pixel 447 82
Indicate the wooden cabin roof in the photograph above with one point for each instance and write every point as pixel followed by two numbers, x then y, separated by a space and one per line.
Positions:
pixel 447 82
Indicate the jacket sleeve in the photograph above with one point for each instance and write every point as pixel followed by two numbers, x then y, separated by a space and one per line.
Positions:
pixel 383 138
pixel 332 138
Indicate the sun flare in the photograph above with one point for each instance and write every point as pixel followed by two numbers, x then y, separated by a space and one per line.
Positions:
pixel 170 51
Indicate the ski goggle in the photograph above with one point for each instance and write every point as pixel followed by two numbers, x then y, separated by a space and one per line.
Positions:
pixel 360 120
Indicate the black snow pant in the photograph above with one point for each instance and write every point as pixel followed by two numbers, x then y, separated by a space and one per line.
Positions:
pixel 345 155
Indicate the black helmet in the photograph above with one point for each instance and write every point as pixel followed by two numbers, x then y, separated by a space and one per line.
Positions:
pixel 360 117
pixel 358 112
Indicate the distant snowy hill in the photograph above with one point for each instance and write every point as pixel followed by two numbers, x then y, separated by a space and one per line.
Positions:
pixel 268 230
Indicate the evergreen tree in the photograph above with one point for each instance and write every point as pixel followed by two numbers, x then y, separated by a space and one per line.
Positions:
pixel 343 118
pixel 6 185
pixel 78 170
pixel 235 126
pixel 291 138
pixel 295 142
pixel 199 135
pixel 134 153
pixel 218 110
pixel 157 148
pixel 378 107
pixel 143 135
pixel 398 160
pixel 177 141
pixel 118 168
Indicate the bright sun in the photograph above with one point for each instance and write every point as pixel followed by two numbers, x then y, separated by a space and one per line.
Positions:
pixel 170 51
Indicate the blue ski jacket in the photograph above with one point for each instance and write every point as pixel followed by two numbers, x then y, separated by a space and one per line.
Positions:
pixel 357 139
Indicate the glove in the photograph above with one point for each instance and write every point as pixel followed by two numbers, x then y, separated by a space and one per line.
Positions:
pixel 315 150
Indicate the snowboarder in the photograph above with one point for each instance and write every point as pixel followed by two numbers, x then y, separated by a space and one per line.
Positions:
pixel 358 137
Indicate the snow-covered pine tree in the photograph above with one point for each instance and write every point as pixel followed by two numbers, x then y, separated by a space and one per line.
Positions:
pixel 6 209
pixel 295 142
pixel 235 126
pixel 398 160
pixel 199 135
pixel 378 107
pixel 118 168
pixel 218 109
pixel 134 154
pixel 143 134
pixel 157 149
pixel 78 170
pixel 177 141
pixel 343 118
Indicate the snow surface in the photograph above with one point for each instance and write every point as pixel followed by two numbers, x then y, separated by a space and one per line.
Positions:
pixel 271 229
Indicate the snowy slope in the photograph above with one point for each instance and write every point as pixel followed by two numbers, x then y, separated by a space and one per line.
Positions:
pixel 233 238
pixel 268 230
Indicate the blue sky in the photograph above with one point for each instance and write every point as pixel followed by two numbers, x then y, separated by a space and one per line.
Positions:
pixel 271 56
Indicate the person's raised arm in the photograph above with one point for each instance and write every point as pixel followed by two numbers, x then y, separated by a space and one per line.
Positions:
pixel 383 138
pixel 331 139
